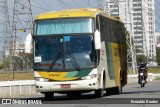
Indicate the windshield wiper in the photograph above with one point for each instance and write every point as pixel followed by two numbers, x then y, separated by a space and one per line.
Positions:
pixel 73 60
pixel 55 59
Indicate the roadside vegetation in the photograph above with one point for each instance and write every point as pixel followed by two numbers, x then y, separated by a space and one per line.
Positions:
pixel 16 76
pixel 157 79
pixel 154 70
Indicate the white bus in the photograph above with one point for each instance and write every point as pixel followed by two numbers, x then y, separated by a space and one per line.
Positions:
pixel 78 51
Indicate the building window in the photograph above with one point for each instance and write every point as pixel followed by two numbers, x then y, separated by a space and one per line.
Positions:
pixel 140 41
pixel 137 9
pixel 111 6
pixel 139 46
pixel 138 32
pixel 136 14
pixel 115 10
pixel 138 4
pixel 137 18
pixel 138 37
pixel 114 14
pixel 138 28
pixel 137 23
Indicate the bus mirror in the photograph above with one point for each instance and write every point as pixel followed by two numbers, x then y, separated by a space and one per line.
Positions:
pixel 97 40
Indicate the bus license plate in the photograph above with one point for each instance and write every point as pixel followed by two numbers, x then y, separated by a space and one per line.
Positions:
pixel 65 85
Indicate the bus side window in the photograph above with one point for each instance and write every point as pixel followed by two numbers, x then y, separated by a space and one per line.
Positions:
pixel 97 23
pixel 101 25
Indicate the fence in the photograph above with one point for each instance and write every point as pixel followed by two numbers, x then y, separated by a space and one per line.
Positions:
pixel 17 88
pixel 134 78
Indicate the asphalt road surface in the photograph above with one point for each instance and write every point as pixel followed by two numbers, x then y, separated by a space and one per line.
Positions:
pixel 133 96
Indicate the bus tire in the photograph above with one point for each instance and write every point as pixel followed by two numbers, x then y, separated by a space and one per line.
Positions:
pixel 109 91
pixel 49 95
pixel 119 88
pixel 99 92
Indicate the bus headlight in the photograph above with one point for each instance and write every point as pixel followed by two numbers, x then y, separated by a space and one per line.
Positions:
pixel 41 79
pixel 92 76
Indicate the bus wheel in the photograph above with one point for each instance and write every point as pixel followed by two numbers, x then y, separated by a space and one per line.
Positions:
pixel 119 88
pixel 99 92
pixel 49 95
pixel 109 92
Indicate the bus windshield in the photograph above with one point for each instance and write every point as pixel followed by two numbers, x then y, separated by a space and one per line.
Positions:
pixel 64 52
pixel 64 26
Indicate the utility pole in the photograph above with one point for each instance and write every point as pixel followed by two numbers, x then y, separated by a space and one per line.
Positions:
pixel 6 33
pixel 100 4
pixel 21 26
pixel 130 40
pixel 106 8
pixel 145 50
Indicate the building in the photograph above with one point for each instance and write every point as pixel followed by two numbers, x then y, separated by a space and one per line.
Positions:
pixel 17 48
pixel 139 19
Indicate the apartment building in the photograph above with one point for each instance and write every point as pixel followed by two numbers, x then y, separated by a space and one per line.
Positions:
pixel 139 19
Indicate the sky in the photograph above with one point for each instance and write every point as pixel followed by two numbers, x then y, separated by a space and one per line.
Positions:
pixel 41 6
pixel 55 5
pixel 157 14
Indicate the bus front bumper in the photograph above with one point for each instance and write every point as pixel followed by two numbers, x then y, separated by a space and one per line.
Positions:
pixel 86 85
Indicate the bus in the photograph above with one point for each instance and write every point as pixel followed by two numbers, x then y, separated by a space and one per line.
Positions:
pixel 78 51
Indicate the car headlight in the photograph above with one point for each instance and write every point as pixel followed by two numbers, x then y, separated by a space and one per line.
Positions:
pixel 41 79
pixel 92 76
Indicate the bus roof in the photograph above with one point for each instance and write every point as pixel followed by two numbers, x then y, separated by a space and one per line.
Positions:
pixel 70 13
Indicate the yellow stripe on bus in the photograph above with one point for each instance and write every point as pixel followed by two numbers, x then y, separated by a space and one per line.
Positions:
pixel 58 76
pixel 116 62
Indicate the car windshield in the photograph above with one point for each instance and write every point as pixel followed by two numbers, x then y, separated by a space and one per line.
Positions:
pixel 64 52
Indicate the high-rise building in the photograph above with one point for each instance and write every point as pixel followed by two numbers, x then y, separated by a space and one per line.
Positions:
pixel 139 19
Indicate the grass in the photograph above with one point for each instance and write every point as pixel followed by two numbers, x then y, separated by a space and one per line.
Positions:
pixel 17 76
pixel 154 70
pixel 157 79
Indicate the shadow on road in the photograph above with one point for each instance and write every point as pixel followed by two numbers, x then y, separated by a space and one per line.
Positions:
pixel 140 92
pixel 60 98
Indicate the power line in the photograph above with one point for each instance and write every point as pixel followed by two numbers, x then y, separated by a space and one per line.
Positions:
pixel 62 4
pixel 76 3
pixel 66 4
pixel 43 2
pixel 88 3
pixel 40 6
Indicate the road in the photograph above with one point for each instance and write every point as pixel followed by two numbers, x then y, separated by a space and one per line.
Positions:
pixel 131 94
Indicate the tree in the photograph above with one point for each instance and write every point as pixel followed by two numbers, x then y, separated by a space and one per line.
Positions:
pixel 141 58
pixel 5 63
pixel 158 55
